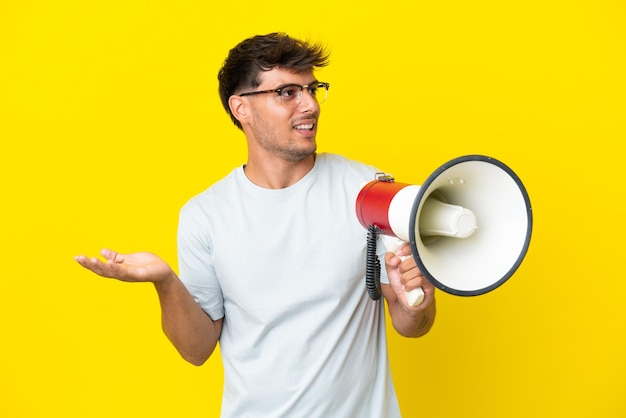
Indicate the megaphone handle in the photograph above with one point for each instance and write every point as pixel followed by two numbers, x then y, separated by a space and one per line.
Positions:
pixel 392 244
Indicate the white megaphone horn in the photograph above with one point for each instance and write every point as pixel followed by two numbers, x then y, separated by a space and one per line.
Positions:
pixel 468 225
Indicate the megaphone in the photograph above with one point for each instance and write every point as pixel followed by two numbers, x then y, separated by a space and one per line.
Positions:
pixel 469 225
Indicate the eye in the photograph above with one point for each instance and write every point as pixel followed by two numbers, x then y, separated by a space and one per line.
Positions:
pixel 313 89
pixel 289 92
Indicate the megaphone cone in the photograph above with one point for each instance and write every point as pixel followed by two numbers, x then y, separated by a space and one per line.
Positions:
pixel 469 225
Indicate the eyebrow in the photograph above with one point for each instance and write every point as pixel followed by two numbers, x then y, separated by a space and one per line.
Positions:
pixel 296 84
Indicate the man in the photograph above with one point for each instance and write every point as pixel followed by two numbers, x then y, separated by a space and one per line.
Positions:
pixel 272 258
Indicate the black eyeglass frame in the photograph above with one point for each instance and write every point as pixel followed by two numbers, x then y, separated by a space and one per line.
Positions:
pixel 279 90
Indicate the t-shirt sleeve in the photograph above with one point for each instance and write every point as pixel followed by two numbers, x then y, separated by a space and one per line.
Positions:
pixel 195 261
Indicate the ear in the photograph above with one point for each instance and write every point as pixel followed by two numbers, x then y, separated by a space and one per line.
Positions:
pixel 238 107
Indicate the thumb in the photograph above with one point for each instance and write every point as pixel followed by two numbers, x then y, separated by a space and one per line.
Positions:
pixel 111 255
pixel 392 260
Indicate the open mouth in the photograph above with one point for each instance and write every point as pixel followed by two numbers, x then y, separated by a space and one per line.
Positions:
pixel 304 127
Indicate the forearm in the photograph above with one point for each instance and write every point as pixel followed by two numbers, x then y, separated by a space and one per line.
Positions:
pixel 188 327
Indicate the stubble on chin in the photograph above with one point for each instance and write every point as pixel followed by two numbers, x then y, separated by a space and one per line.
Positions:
pixel 292 151
pixel 295 154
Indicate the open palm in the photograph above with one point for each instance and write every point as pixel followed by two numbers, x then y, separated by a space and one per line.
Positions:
pixel 134 267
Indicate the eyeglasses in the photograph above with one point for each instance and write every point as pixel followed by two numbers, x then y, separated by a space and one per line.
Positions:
pixel 291 94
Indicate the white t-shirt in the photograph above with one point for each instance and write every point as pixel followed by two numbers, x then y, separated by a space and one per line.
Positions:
pixel 285 269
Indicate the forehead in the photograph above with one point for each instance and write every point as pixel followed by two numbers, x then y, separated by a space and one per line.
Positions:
pixel 279 76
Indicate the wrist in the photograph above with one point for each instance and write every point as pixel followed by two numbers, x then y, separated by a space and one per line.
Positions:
pixel 166 282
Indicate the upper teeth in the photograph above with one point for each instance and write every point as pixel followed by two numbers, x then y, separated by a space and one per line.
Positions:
pixel 310 126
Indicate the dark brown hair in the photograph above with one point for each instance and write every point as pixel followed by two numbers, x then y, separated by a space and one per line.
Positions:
pixel 259 53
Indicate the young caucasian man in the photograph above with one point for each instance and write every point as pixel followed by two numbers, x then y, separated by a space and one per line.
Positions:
pixel 272 257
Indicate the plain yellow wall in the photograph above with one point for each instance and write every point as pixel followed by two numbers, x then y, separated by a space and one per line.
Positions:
pixel 110 121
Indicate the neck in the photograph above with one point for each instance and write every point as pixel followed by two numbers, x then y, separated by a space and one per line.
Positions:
pixel 278 174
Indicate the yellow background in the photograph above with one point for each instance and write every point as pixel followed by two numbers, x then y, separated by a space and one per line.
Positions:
pixel 110 121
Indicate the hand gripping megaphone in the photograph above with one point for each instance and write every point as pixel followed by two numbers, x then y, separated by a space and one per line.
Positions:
pixel 468 225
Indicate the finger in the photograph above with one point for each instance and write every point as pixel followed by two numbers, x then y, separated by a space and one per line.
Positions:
pixel 404 250
pixel 95 265
pixel 413 275
pixel 112 255
pixel 409 267
pixel 420 281
pixel 86 262
pixel 92 264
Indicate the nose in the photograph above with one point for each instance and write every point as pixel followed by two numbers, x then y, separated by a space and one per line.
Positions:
pixel 308 102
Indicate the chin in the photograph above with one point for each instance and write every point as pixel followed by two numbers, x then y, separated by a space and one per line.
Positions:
pixel 300 154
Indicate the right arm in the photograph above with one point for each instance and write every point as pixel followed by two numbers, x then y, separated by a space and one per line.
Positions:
pixel 188 327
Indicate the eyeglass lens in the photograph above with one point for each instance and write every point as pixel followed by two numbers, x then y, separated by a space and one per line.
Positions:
pixel 292 95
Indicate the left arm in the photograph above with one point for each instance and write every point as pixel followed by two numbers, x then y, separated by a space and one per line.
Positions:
pixel 404 276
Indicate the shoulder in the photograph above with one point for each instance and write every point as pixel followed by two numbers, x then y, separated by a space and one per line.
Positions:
pixel 212 196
